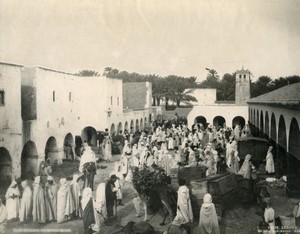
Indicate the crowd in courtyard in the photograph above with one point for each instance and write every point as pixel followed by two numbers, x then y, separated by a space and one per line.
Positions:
pixel 167 146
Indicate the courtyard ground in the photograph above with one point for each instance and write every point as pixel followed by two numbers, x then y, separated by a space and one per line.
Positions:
pixel 238 219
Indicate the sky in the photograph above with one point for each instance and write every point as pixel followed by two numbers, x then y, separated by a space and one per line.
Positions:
pixel 153 36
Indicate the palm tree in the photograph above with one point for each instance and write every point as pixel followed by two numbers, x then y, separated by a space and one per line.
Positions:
pixel 87 73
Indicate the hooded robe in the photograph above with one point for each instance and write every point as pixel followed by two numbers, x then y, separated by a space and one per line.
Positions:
pixel 12 201
pixel 26 202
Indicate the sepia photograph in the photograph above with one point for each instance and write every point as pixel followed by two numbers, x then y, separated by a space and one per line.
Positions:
pixel 150 116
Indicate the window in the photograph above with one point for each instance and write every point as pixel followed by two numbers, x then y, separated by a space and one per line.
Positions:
pixel 111 100
pixel 244 76
pixel 240 76
pixel 70 97
pixel 118 100
pixel 53 96
pixel 1 98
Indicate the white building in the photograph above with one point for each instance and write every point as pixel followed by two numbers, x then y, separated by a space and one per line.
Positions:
pixel 42 109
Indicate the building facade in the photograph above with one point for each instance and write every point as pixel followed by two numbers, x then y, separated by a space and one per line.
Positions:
pixel 42 110
pixel 210 111
pixel 276 116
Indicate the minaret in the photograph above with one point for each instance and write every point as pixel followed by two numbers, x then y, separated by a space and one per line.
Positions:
pixel 242 86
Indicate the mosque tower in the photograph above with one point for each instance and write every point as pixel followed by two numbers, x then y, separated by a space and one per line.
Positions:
pixel 242 86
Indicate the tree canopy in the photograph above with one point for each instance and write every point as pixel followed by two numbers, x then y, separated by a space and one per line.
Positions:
pixel 88 73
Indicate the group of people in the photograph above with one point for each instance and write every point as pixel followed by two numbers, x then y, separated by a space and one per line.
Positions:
pixel 167 146
pixel 43 202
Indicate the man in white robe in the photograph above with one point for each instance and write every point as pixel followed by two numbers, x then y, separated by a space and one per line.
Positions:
pixel 270 161
pixel 51 198
pixel 12 201
pixel 26 202
pixel 39 205
pixel 76 194
pixel 100 206
pixel 184 212
pixel 65 203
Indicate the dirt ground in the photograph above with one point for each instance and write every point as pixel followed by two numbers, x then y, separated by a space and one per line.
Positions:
pixel 238 219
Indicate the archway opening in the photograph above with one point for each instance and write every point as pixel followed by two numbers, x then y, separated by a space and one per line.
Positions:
pixel 137 126
pixel 219 121
pixel 238 120
pixel 89 135
pixel 119 128
pixel 5 167
pixel 69 146
pixel 131 126
pixel 126 126
pixel 145 123
pixel 267 129
pixel 273 128
pixel 293 171
pixel 112 130
pixel 281 159
pixel 261 125
pixel 51 151
pixel 29 161
pixel 141 124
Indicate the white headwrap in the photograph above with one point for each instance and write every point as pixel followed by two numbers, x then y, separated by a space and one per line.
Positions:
pixel 37 180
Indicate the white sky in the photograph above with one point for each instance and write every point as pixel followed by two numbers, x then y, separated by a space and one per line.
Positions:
pixel 180 37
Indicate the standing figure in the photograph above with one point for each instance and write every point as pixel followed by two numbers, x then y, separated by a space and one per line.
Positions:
pixel 39 205
pixel 69 151
pixel 65 203
pixel 107 148
pixel 111 196
pixel 51 198
pixel 269 216
pixel 87 204
pixel 235 165
pixel 26 202
pixel 76 195
pixel 270 161
pixel 246 168
pixel 100 205
pixel 88 166
pixel 184 212
pixel 3 217
pixel 12 201
pixel 208 223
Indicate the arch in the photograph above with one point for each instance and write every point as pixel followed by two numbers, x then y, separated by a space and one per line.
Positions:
pixel 261 124
pixel 281 158
pixel 254 117
pixel 238 120
pixel 89 135
pixel 141 124
pixel 219 121
pixel 69 138
pixel 68 146
pixel 282 133
pixel 293 172
pixel 294 139
pixel 119 128
pixel 29 161
pixel 137 126
pixel 273 127
pixel 112 130
pixel 51 150
pixel 267 128
pixel 131 126
pixel 257 119
pixel 126 126
pixel 200 119
pixel 5 167
pixel 145 123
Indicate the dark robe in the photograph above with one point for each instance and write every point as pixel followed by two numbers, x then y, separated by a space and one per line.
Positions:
pixel 88 216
